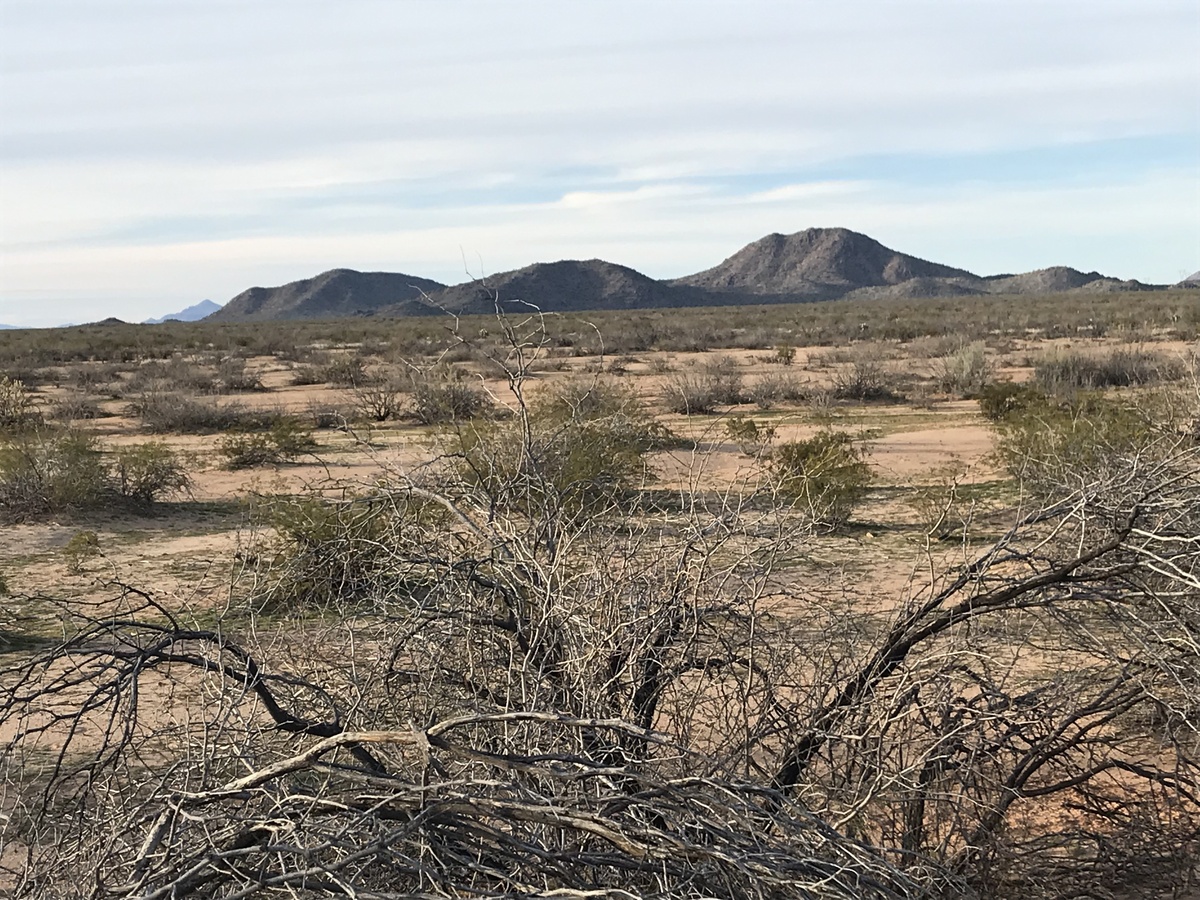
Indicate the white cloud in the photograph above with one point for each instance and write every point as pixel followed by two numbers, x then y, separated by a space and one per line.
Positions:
pixel 160 152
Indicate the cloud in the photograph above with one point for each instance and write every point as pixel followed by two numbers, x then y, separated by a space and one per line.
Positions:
pixel 164 152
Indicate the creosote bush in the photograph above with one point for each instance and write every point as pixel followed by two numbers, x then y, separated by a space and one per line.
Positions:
pixel 175 413
pixel 18 412
pixel 866 378
pixel 714 383
pixel 826 475
pixel 144 473
pixel 282 443
pixel 331 552
pixel 1049 441
pixel 580 447
pixel 83 547
pixel 382 399
pixel 1067 370
pixel 752 437
pixel 52 471
pixel 966 370
pixel 446 396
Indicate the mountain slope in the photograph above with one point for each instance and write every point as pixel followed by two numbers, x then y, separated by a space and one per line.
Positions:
pixel 338 292
pixel 816 264
pixel 561 286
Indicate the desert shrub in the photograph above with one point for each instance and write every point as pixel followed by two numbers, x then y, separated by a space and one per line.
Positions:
pixel 865 379
pixel 50 471
pixel 29 375
pixel 145 473
pixel 715 383
pixel 76 408
pixel 661 365
pixel 234 378
pixel 578 448
pixel 381 400
pixel 308 375
pixel 282 443
pixel 750 436
pixel 17 409
pixel 163 413
pixel 437 399
pixel 81 549
pixel 1048 442
pixel 1001 398
pixel 175 375
pixel 774 388
pixel 965 371
pixel 329 414
pixel 94 377
pixel 345 371
pixel 334 552
pixel 785 354
pixel 1063 371
pixel 826 474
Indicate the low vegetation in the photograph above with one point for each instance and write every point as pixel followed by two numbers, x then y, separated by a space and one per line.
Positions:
pixel 537 644
pixel 53 471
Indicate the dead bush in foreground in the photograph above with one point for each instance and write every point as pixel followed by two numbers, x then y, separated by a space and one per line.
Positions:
pixel 519 701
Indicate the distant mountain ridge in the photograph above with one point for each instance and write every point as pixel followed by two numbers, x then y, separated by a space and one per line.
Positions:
pixel 332 294
pixel 193 313
pixel 817 263
pixel 811 265
pixel 557 286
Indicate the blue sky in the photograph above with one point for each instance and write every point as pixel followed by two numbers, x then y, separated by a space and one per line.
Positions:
pixel 156 153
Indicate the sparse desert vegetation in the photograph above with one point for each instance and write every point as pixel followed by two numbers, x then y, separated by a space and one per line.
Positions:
pixel 849 599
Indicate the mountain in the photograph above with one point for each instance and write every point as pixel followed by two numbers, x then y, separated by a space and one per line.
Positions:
pixel 193 313
pixel 820 263
pixel 338 292
pixel 817 264
pixel 563 286
pixel 1192 281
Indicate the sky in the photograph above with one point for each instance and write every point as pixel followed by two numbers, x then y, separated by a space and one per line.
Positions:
pixel 154 153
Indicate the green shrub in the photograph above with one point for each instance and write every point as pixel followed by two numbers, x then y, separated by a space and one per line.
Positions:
pixel 966 370
pixel 579 447
pixel 1063 371
pixel 785 354
pixel 346 371
pixel 17 409
pixel 51 471
pixel 827 474
pixel 715 383
pixel 174 413
pixel 1049 442
pixel 1000 399
pixel 866 379
pixel 438 400
pixel 338 552
pixel 752 438
pixel 144 473
pixel 286 440
pixel 80 549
